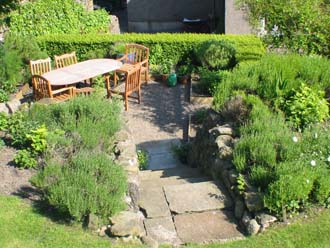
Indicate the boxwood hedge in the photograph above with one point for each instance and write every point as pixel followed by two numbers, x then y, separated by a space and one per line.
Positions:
pixel 162 45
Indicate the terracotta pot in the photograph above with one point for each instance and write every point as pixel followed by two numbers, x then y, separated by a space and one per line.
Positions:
pixel 183 79
pixel 164 77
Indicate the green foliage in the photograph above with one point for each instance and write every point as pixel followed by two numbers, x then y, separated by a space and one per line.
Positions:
pixel 181 152
pixel 15 55
pixel 295 24
pixel 25 159
pixel 163 46
pixel 4 97
pixel 37 139
pixel 274 77
pixel 306 106
pixel 240 184
pixel 3 121
pixel 184 70
pixel 142 159
pixel 18 126
pixel 57 17
pixel 210 80
pixel 91 122
pixel 89 183
pixel 216 55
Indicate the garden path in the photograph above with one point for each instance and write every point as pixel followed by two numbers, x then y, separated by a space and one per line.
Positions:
pixel 180 204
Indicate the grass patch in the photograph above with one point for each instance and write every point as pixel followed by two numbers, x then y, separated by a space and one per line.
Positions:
pixel 21 226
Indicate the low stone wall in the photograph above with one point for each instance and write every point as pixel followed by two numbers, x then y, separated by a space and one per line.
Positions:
pixel 212 150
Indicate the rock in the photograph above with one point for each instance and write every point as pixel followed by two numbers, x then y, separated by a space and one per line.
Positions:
pixel 225 152
pixel 134 194
pixel 93 222
pixel 253 227
pixel 127 223
pixel 239 208
pixel 223 141
pixel 149 242
pixel 4 108
pixel 253 201
pixel 265 219
pixel 221 130
pixel 232 176
pixel 122 135
pixel 13 105
pixel 102 231
pixel 246 218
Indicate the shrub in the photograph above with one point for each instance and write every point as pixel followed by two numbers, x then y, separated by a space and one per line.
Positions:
pixel 88 183
pixel 209 80
pixel 92 122
pixel 142 159
pixel 216 55
pixel 25 159
pixel 306 106
pixel 163 46
pixel 274 77
pixel 3 121
pixel 287 26
pixel 57 17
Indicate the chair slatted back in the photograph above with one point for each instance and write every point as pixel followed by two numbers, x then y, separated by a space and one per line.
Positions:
pixel 65 60
pixel 39 67
pixel 136 53
pixel 41 87
pixel 133 80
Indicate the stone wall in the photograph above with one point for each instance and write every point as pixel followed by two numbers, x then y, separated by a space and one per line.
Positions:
pixel 212 150
pixel 87 3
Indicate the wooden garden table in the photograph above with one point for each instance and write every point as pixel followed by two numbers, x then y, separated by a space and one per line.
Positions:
pixel 81 71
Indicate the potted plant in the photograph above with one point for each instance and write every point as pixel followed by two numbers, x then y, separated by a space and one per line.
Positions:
pixel 165 69
pixel 183 72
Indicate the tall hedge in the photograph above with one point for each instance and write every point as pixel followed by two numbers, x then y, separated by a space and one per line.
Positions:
pixel 171 46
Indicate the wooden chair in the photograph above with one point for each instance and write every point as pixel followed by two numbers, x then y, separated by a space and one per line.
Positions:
pixel 132 84
pixel 39 67
pixel 65 60
pixel 70 59
pixel 42 89
pixel 135 54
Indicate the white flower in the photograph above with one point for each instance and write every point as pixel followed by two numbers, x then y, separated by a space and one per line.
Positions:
pixel 295 139
pixel 313 163
pixel 307 181
pixel 328 159
pixel 315 135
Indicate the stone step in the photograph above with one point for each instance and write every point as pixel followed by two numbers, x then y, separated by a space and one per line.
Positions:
pixel 153 202
pixel 161 161
pixel 197 197
pixel 174 180
pixel 178 172
pixel 159 146
pixel 207 227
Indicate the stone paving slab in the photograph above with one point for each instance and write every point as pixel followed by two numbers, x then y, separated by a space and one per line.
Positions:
pixel 161 161
pixel 153 201
pixel 179 172
pixel 207 227
pixel 162 230
pixel 160 146
pixel 197 197
pixel 171 181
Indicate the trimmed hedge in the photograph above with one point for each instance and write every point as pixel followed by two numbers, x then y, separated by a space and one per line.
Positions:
pixel 172 46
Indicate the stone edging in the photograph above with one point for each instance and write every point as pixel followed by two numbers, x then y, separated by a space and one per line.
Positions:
pixel 212 151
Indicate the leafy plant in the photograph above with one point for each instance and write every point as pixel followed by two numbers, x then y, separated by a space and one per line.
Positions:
pixel 216 55
pixel 181 152
pixel 25 159
pixel 142 159
pixel 37 138
pixel 240 184
pixel 3 121
pixel 67 16
pixel 184 70
pixel 89 183
pixel 306 106
pixel 4 97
